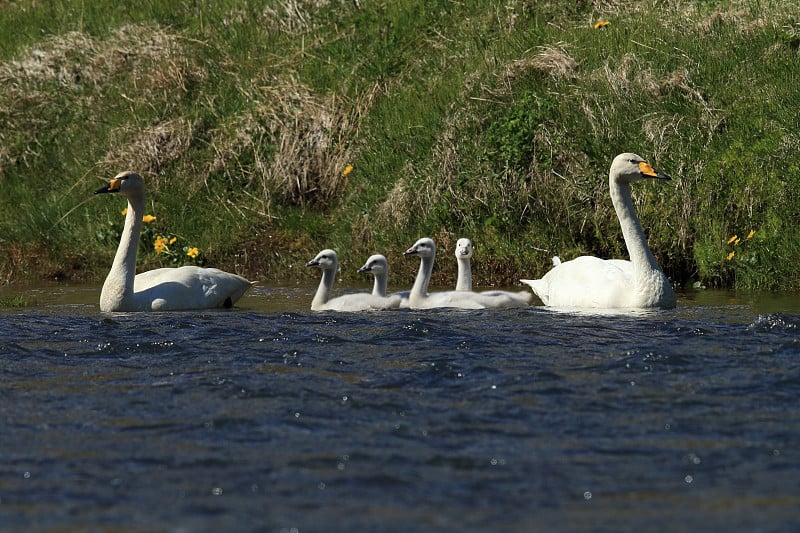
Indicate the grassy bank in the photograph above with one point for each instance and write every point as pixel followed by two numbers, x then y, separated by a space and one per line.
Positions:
pixel 268 130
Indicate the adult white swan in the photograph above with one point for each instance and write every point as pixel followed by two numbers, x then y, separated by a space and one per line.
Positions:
pixel 378 266
pixel 606 284
pixel 464 251
pixel 162 289
pixel 328 262
pixel 419 298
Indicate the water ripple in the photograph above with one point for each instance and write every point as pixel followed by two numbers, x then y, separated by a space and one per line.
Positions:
pixel 442 421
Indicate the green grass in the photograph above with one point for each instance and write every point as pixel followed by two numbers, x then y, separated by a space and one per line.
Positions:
pixel 13 301
pixel 492 120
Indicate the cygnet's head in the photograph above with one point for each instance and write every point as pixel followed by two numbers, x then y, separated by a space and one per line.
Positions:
pixel 125 183
pixel 326 260
pixel 463 249
pixel 376 264
pixel 629 167
pixel 422 248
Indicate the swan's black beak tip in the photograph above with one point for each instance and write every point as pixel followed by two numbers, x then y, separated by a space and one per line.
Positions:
pixel 112 186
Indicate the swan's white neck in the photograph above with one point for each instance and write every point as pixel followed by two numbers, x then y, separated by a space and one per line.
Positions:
pixel 464 282
pixel 420 288
pixel 635 239
pixel 380 284
pixel 323 293
pixel 118 286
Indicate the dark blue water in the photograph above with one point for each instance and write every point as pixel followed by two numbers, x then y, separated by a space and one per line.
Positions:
pixel 268 417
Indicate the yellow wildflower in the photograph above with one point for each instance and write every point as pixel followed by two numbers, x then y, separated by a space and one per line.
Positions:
pixel 750 235
pixel 347 170
pixel 732 239
pixel 601 24
pixel 193 252
pixel 160 244
pixel 172 240
pixel 730 255
pixel 737 241
pixel 148 219
pixel 125 211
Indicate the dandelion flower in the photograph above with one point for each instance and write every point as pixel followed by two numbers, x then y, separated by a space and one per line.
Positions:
pixel 125 211
pixel 601 24
pixel 160 244
pixel 172 240
pixel 193 252
pixel 148 219
pixel 737 241
pixel 730 255
pixel 750 235
pixel 732 239
pixel 347 170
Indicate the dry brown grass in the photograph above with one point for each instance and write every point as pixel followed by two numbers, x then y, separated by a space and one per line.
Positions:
pixel 291 16
pixel 292 146
pixel 74 60
pixel 554 61
pixel 147 150
pixel 77 69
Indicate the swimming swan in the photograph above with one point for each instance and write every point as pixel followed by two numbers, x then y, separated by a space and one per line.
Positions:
pixel 162 289
pixel 464 251
pixel 378 266
pixel 596 283
pixel 328 262
pixel 419 298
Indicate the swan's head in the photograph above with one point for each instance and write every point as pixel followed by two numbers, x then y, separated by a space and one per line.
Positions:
pixel 463 249
pixel 629 167
pixel 376 264
pixel 326 260
pixel 125 183
pixel 422 248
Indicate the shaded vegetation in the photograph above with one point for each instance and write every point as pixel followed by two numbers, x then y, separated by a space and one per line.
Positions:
pixel 267 130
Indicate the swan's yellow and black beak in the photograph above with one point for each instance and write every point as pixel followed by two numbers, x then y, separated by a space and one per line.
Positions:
pixel 649 172
pixel 112 186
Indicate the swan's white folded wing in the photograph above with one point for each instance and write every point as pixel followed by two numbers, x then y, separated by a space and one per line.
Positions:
pixel 189 287
pixel 588 281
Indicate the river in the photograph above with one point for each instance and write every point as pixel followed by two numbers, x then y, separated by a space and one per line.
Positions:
pixel 268 417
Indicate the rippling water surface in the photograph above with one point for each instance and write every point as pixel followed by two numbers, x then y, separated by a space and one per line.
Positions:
pixel 268 417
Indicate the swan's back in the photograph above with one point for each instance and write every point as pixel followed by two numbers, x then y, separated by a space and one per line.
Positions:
pixel 359 302
pixel 584 282
pixel 187 287
pixel 452 299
